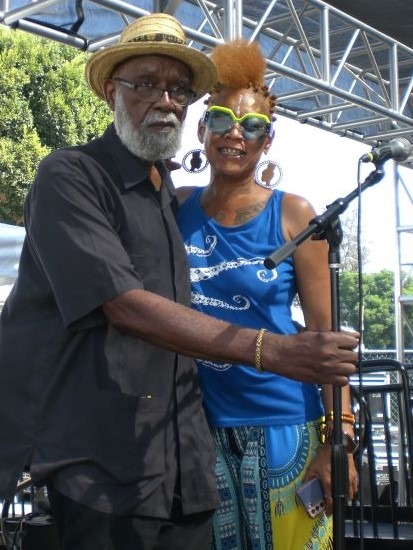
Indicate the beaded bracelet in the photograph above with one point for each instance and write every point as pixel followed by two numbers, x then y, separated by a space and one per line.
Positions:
pixel 258 349
pixel 346 418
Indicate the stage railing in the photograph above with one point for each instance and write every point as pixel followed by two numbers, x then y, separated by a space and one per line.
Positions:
pixel 383 509
pixel 26 521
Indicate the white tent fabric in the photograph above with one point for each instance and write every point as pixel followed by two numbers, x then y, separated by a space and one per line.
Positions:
pixel 11 242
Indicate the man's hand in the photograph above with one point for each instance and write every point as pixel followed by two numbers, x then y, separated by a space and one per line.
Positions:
pixel 310 356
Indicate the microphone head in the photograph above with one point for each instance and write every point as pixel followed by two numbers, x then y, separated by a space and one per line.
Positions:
pixel 398 149
pixel 402 149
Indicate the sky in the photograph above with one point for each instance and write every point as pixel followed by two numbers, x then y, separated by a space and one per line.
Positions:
pixel 322 167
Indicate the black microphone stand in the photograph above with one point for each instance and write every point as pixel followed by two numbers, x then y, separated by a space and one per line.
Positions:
pixel 327 226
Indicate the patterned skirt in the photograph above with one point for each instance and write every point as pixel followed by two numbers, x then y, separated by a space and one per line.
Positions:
pixel 259 470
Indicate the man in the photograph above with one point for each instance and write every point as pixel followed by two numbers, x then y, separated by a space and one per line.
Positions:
pixel 98 394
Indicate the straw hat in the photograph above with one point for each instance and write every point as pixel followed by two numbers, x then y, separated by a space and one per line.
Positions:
pixel 155 34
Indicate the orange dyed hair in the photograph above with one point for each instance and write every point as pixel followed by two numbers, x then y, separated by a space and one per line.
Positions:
pixel 241 64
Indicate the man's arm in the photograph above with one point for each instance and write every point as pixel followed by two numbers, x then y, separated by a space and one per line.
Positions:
pixel 318 357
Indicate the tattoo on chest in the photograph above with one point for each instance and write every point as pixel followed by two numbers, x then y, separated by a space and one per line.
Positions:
pixel 220 216
pixel 246 213
pixel 238 216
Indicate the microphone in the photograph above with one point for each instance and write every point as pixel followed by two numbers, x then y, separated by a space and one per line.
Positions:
pixel 398 149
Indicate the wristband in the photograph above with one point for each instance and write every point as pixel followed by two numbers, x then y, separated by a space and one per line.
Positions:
pixel 349 442
pixel 346 418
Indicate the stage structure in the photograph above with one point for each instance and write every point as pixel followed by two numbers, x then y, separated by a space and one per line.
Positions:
pixel 347 72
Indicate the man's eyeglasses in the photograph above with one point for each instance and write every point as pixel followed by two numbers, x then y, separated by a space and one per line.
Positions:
pixel 150 94
pixel 221 120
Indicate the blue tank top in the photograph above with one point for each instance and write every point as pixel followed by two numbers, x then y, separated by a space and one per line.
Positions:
pixel 229 281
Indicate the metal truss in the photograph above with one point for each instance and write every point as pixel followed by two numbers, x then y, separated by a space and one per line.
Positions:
pixel 326 68
pixel 404 227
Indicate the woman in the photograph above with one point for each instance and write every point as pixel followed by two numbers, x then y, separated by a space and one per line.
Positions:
pixel 268 430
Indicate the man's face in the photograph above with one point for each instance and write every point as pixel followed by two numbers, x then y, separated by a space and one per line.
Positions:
pixel 149 129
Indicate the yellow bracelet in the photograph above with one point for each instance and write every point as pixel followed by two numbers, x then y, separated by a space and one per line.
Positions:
pixel 346 418
pixel 258 349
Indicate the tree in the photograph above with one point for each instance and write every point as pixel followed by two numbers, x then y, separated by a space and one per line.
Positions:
pixel 349 248
pixel 45 104
pixel 66 112
pixel 407 310
pixel 378 301
pixel 378 307
pixel 18 162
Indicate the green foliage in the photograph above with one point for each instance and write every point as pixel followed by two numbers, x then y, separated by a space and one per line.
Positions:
pixel 379 310
pixel 18 163
pixel 66 112
pixel 45 104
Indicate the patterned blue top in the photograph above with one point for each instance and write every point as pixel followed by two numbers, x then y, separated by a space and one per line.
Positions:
pixel 229 281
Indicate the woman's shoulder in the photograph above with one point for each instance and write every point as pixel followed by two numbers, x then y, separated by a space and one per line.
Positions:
pixel 182 193
pixel 296 203
pixel 297 212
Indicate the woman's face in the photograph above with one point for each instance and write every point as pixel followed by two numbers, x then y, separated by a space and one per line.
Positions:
pixel 235 151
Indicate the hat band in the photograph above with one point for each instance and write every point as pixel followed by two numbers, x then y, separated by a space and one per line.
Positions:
pixel 158 37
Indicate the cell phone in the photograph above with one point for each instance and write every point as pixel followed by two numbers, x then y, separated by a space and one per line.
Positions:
pixel 311 495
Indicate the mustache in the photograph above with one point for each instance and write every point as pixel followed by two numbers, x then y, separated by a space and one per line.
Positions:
pixel 153 118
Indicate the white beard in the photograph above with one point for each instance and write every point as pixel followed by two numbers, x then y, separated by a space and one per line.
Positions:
pixel 142 141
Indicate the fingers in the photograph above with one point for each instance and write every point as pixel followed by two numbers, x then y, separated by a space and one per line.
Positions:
pixel 336 359
pixel 352 334
pixel 312 356
pixel 335 380
pixel 327 487
pixel 353 479
pixel 329 504
pixel 321 467
pixel 352 491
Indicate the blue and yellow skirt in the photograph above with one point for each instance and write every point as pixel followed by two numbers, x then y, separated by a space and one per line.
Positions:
pixel 259 470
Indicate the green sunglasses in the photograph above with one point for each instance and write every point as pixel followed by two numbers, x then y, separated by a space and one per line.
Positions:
pixel 221 120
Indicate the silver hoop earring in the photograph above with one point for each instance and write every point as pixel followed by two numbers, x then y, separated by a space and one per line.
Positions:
pixel 268 174
pixel 195 161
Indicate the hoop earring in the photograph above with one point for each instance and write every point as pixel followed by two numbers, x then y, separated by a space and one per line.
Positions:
pixel 268 174
pixel 195 161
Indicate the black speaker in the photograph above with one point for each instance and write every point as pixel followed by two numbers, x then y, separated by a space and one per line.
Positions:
pixel 38 532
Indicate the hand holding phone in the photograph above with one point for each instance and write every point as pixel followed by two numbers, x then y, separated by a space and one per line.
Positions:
pixel 311 495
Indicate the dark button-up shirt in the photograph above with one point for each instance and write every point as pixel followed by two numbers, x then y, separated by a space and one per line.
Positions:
pixel 116 421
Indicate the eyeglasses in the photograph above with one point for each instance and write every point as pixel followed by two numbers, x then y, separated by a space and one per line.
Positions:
pixel 221 120
pixel 177 94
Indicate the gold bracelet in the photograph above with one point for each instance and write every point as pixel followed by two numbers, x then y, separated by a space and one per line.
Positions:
pixel 346 418
pixel 258 349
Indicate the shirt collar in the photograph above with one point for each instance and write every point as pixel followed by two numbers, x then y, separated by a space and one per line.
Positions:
pixel 131 169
